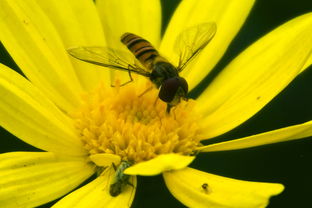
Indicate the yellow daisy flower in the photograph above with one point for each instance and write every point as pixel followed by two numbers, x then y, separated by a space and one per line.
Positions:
pixel 69 109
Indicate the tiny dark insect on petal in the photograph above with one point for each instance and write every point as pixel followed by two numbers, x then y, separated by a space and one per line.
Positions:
pixel 205 187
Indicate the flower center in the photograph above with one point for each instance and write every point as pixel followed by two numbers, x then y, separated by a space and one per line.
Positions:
pixel 135 126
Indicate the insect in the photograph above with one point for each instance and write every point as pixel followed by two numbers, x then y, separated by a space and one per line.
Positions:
pixel 149 63
pixel 205 187
pixel 120 179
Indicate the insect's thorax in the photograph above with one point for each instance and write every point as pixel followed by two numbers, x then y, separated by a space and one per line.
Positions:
pixel 162 70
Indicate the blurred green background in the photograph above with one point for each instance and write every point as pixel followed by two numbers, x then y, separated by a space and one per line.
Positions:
pixel 287 163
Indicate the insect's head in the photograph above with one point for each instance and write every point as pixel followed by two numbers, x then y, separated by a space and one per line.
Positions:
pixel 115 189
pixel 173 89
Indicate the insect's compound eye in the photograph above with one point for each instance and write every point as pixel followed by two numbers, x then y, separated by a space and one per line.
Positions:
pixel 170 88
pixel 184 86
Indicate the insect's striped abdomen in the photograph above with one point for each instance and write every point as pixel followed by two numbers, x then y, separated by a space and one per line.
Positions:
pixel 141 48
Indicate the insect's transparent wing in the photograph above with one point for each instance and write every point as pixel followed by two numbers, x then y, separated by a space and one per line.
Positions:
pixel 191 41
pixel 108 57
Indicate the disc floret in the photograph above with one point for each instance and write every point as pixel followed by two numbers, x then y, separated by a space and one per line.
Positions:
pixel 136 127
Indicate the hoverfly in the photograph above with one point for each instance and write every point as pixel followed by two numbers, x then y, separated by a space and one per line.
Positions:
pixel 164 75
pixel 120 179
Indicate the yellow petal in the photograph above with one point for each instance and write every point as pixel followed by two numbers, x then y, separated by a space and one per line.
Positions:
pixel 280 135
pixel 140 17
pixel 105 159
pixel 78 24
pixel 29 179
pixel 256 76
pixel 307 64
pixel 229 15
pixel 160 164
pixel 96 194
pixel 29 115
pixel 35 46
pixel 195 188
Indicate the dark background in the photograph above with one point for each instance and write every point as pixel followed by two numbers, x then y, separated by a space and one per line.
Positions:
pixel 288 163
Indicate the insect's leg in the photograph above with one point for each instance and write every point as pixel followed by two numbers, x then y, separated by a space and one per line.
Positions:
pixel 145 91
pixel 123 84
pixel 130 184
pixel 100 170
pixel 114 166
pixel 131 79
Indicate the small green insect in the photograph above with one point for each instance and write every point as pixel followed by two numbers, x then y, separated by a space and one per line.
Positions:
pixel 120 179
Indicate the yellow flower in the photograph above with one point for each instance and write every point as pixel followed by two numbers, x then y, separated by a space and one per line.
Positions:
pixel 68 108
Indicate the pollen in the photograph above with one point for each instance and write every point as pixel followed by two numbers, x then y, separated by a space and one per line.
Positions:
pixel 134 124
